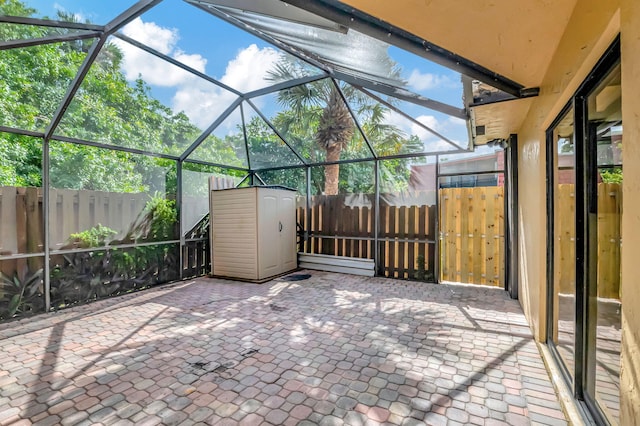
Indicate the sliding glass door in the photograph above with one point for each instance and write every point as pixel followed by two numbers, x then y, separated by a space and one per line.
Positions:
pixel 604 124
pixel 563 279
pixel 585 178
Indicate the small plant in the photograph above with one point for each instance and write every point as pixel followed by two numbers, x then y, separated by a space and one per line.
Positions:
pixel 24 291
pixel 611 176
pixel 422 274
pixel 163 218
pixel 94 237
pixel 157 222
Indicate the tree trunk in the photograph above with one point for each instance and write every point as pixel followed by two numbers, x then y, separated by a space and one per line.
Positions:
pixel 332 172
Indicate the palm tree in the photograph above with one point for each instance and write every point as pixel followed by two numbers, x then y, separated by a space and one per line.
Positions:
pixel 335 130
pixel 320 104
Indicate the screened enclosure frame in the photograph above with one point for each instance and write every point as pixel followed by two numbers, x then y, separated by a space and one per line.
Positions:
pixel 325 71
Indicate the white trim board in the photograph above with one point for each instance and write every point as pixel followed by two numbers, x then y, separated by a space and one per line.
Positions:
pixel 345 265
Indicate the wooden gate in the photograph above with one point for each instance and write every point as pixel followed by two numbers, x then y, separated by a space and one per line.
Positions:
pixel 472 248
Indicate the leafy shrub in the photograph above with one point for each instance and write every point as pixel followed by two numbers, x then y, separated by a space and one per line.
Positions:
pixel 23 291
pixel 163 217
pixel 611 176
pixel 94 237
pixel 157 222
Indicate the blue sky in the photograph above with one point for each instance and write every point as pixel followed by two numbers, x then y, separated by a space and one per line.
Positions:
pixel 234 57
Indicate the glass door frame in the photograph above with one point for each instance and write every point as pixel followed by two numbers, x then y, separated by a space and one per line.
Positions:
pixel 586 237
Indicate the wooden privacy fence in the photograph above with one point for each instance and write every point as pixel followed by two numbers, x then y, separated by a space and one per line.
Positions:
pixel 407 241
pixel 609 239
pixel 330 217
pixel 21 221
pixel 472 246
pixel 71 211
pixel 343 228
pixel 74 211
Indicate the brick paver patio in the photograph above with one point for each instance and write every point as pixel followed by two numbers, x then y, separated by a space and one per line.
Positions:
pixel 332 349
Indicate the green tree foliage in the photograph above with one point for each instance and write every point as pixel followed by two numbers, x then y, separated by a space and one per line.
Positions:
pixel 106 109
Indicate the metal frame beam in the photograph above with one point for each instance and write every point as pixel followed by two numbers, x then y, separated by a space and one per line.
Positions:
pixel 404 95
pixel 13 44
pixel 13 130
pixel 246 141
pixel 511 218
pixel 179 198
pixel 21 256
pixel 115 247
pixel 129 15
pixel 308 225
pixel 260 179
pixel 437 248
pixel 284 85
pixel 46 200
pixel 361 160
pixel 471 173
pixel 50 23
pixel 209 164
pixel 243 179
pixel 376 220
pixel 118 22
pixel 113 147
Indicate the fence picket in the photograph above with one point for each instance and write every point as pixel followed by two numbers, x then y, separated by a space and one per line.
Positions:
pixel 411 236
pixel 35 225
pixel 423 217
pixel 499 237
pixel 21 220
pixel 8 235
pixel 465 249
pixel 479 223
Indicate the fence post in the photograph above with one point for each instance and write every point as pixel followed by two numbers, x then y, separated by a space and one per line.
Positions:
pixel 376 218
pixel 179 198
pixel 308 229
pixel 46 185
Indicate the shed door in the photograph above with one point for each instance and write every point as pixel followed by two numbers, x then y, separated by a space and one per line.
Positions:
pixel 268 234
pixel 287 208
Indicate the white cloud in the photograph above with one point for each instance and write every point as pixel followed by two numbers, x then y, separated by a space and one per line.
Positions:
pixel 412 128
pixel 455 122
pixel 195 61
pixel 429 121
pixel 248 70
pixel 202 101
pixel 431 142
pixel 428 81
pixel 159 38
